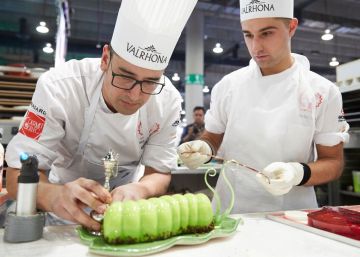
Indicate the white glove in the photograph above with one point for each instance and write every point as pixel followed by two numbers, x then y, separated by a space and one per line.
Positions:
pixel 283 176
pixel 194 153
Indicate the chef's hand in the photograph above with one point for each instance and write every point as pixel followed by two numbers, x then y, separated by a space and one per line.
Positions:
pixel 194 153
pixel 69 200
pixel 283 176
pixel 132 191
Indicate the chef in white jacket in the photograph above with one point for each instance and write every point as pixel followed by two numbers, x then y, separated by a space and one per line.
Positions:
pixel 274 115
pixel 122 102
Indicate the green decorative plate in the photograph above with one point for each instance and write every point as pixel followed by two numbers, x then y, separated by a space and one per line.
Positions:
pixel 98 245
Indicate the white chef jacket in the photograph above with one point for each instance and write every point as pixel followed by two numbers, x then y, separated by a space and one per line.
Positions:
pixel 70 129
pixel 276 118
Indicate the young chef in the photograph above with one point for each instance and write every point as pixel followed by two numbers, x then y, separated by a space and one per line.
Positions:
pixel 275 115
pixel 121 102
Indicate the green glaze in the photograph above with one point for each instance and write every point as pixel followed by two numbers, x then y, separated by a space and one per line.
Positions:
pixel 157 218
pixel 193 211
pixel 148 218
pixel 184 210
pixel 175 212
pixel 204 210
pixel 112 222
pixel 163 210
pixel 130 229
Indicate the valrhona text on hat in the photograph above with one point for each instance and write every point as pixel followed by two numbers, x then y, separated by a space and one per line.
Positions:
pixel 257 6
pixel 148 53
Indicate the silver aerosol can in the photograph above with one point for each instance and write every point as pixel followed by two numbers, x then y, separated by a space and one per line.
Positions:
pixel 27 186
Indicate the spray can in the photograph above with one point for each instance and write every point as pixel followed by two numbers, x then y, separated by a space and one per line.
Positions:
pixel 27 186
pixel 25 224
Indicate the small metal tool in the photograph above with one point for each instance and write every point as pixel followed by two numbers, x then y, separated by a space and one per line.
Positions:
pixel 110 162
pixel 232 161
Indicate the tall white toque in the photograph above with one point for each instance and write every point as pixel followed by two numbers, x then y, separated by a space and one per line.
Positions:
pixel 146 31
pixel 253 9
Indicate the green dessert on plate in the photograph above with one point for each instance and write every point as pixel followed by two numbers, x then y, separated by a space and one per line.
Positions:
pixel 157 218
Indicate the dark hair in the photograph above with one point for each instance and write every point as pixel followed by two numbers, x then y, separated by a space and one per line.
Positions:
pixel 199 108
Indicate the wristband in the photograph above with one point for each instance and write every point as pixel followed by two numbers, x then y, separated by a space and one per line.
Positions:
pixel 212 150
pixel 307 174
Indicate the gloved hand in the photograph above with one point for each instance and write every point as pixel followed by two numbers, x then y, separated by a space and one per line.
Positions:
pixel 283 176
pixel 194 153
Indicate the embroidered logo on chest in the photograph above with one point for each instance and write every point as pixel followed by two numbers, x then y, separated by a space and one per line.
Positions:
pixel 155 128
pixel 319 99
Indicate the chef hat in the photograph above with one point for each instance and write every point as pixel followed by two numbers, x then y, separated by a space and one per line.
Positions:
pixel 252 9
pixel 146 31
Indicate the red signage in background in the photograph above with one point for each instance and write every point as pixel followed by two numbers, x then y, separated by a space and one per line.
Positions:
pixel 33 125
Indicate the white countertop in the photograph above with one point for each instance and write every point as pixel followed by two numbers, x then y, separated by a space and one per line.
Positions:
pixel 257 237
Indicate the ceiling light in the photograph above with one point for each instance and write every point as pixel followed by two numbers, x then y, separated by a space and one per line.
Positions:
pixel 42 27
pixel 175 77
pixel 327 35
pixel 182 112
pixel 334 62
pixel 48 49
pixel 206 89
pixel 218 49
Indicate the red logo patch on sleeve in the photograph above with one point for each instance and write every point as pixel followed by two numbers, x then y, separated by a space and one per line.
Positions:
pixel 33 125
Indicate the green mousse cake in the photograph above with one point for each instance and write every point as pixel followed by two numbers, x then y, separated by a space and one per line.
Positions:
pixel 157 218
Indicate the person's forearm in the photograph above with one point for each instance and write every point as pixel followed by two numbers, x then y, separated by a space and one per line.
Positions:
pixel 328 167
pixel 324 171
pixel 214 140
pixel 154 183
pixel 11 182
pixel 46 192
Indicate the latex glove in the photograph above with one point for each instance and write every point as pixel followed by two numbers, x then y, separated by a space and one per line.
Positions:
pixel 194 153
pixel 283 176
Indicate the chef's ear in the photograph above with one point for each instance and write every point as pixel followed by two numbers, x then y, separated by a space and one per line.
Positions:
pixel 292 26
pixel 105 57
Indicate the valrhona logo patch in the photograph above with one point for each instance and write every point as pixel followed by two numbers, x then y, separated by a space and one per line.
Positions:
pixel 147 54
pixel 33 125
pixel 257 6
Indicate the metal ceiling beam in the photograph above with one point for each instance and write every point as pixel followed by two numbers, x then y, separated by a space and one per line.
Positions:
pixel 343 21
pixel 298 9
pixel 82 46
pixel 242 62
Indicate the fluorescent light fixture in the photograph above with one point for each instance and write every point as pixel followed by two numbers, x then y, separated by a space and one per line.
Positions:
pixel 327 35
pixel 334 62
pixel 42 27
pixel 175 77
pixel 48 49
pixel 206 89
pixel 218 49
